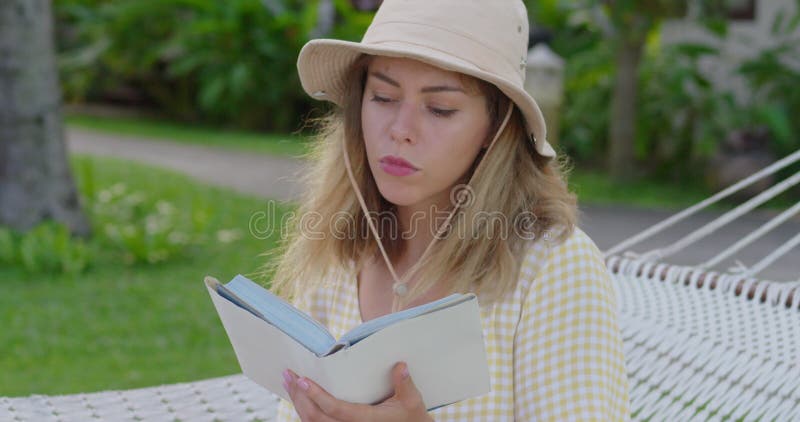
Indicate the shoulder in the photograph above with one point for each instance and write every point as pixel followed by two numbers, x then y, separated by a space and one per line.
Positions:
pixel 568 341
pixel 574 263
pixel 578 251
pixel 546 254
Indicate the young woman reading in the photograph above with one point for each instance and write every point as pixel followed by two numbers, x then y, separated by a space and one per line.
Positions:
pixel 433 175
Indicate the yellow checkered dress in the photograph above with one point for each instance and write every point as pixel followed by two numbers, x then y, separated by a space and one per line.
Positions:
pixel 554 345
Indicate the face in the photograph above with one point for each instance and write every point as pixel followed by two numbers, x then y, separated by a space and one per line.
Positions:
pixel 422 130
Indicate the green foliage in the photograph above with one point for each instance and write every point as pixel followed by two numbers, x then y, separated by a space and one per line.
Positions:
pixel 776 99
pixel 8 247
pixel 586 115
pixel 135 228
pixel 352 22
pixel 574 30
pixel 144 230
pixel 682 117
pixel 225 62
pixel 47 248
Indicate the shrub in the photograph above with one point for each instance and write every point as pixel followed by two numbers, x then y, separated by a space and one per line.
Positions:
pixel 226 63
pixel 143 230
pixel 47 248
pixel 682 117
pixel 127 226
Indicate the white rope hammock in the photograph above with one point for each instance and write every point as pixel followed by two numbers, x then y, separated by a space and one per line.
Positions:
pixel 700 344
pixel 711 345
pixel 231 398
pixel 704 345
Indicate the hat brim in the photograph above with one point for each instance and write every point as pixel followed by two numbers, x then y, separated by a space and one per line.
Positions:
pixel 323 63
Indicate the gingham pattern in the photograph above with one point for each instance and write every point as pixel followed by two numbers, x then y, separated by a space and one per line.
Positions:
pixel 554 345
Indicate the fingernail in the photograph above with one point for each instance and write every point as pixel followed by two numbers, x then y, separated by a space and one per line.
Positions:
pixel 286 386
pixel 303 384
pixel 286 377
pixel 404 372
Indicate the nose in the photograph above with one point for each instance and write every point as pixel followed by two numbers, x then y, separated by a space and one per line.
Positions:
pixel 404 126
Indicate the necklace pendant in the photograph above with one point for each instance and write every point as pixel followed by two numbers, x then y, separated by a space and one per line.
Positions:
pixel 400 289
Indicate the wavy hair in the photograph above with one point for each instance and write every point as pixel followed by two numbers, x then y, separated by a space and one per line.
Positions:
pixel 516 197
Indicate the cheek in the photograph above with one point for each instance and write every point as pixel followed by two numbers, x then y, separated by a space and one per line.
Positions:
pixel 465 140
pixel 453 157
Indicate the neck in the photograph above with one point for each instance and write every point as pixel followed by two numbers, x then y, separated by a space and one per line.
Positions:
pixel 418 225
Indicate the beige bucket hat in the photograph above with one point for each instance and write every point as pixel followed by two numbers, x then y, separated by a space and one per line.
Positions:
pixel 484 39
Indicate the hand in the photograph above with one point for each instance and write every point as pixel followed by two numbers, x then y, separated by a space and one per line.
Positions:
pixel 313 403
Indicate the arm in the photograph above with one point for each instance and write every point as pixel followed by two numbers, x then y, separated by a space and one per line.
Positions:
pixel 568 356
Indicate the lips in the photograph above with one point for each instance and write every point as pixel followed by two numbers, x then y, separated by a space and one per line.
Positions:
pixel 397 166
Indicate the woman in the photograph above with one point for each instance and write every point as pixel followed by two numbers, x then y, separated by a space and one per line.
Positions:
pixel 433 176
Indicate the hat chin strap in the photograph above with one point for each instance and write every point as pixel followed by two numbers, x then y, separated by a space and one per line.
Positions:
pixel 400 287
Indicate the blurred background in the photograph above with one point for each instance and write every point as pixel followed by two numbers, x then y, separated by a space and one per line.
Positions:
pixel 147 143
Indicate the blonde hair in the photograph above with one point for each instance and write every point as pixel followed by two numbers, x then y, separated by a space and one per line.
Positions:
pixel 526 190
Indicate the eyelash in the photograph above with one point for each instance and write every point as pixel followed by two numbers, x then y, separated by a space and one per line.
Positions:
pixel 436 111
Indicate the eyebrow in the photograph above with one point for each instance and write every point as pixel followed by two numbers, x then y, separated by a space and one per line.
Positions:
pixel 427 89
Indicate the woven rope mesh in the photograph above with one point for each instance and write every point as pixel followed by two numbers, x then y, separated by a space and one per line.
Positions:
pixel 697 353
pixel 232 398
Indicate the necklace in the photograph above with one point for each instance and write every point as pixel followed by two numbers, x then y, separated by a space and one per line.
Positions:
pixel 400 289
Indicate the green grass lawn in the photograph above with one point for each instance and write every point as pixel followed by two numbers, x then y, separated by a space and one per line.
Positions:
pixel 118 326
pixel 594 187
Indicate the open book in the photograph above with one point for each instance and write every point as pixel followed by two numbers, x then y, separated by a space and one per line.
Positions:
pixel 442 343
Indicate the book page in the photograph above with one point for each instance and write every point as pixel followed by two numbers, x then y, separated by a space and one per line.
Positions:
pixel 444 351
pixel 364 330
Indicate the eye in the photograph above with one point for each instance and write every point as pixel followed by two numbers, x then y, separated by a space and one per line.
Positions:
pixel 439 112
pixel 378 99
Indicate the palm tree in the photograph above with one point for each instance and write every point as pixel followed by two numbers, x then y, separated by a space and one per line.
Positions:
pixel 35 178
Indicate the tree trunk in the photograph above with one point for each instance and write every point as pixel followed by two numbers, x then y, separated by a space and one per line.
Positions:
pixel 35 178
pixel 622 128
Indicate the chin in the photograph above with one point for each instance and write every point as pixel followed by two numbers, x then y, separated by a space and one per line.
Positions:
pixel 398 195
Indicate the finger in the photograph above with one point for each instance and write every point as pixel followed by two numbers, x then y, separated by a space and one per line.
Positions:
pixel 330 405
pixel 306 409
pixel 404 389
pixel 302 405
